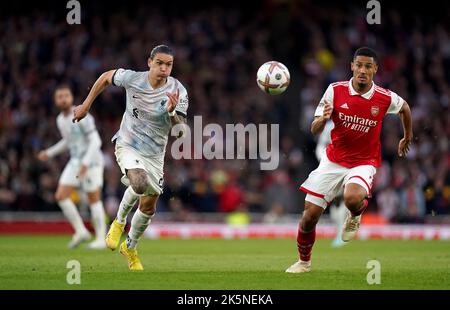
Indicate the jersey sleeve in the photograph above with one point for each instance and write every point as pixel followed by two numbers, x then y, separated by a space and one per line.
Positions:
pixel 87 124
pixel 327 96
pixel 59 125
pixel 122 77
pixel 183 102
pixel 396 104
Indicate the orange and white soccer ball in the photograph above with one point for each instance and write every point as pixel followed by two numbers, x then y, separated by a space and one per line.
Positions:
pixel 273 77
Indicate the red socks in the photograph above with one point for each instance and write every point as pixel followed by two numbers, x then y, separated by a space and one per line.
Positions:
pixel 305 242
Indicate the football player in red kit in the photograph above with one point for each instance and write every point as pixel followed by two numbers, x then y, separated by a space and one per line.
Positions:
pixel 357 108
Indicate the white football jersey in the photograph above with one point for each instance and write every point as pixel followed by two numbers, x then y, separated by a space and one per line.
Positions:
pixel 146 124
pixel 76 136
pixel 324 139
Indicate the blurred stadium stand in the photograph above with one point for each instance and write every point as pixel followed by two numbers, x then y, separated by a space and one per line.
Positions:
pixel 218 50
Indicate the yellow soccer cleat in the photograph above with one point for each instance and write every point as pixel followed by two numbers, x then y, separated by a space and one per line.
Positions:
pixel 132 257
pixel 113 237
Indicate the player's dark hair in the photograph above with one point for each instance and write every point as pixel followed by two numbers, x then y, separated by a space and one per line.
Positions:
pixel 366 51
pixel 62 86
pixel 163 49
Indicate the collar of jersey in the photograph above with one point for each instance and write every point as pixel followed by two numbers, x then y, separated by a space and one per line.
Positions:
pixel 150 85
pixel 353 92
pixel 70 113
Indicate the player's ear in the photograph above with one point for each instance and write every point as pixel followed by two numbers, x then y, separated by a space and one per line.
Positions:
pixel 375 68
pixel 149 62
pixel 351 66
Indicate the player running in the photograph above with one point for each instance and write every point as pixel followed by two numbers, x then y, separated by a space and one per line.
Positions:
pixel 155 101
pixel 84 169
pixel 357 108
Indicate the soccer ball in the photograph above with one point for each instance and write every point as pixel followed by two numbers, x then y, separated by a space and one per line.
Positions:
pixel 273 77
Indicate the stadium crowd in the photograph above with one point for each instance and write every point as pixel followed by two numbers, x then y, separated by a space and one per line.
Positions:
pixel 218 51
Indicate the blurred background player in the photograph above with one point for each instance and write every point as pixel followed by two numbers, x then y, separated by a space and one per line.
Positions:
pixel 155 101
pixel 337 207
pixel 83 171
pixel 357 108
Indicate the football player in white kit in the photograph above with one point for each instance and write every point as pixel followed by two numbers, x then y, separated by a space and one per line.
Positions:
pixel 155 102
pixel 338 212
pixel 83 171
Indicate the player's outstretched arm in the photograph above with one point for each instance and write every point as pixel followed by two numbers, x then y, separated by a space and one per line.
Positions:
pixel 99 86
pixel 406 118
pixel 54 150
pixel 319 122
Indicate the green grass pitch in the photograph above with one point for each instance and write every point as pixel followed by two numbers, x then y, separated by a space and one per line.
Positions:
pixel 39 262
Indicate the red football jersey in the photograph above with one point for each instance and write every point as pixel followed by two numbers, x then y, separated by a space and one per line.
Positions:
pixel 355 138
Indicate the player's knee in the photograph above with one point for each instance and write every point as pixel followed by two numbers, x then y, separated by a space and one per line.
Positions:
pixel 148 208
pixel 93 197
pixel 309 221
pixel 352 200
pixel 59 196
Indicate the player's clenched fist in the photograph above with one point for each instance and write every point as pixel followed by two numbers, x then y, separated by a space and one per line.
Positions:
pixel 327 110
pixel 79 113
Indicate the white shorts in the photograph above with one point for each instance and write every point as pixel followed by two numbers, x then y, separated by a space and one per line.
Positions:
pixel 128 158
pixel 329 179
pixel 92 181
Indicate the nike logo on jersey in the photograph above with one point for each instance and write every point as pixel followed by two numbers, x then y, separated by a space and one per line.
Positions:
pixel 345 106
pixel 135 97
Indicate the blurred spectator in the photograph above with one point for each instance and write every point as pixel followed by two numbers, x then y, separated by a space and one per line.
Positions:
pixel 389 203
pixel 279 195
pixel 412 204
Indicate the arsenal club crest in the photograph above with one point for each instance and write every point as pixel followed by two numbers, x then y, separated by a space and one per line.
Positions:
pixel 374 110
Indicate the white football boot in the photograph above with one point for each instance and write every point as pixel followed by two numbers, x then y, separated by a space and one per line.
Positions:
pixel 350 227
pixel 78 238
pixel 97 244
pixel 299 267
pixel 352 224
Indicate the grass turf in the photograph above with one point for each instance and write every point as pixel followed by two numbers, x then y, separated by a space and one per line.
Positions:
pixel 39 262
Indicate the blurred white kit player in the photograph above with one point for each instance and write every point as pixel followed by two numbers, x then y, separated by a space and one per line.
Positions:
pixel 84 171
pixel 338 212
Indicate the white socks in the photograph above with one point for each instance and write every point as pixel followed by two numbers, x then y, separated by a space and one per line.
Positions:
pixel 71 213
pixel 98 220
pixel 97 213
pixel 139 223
pixel 128 201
